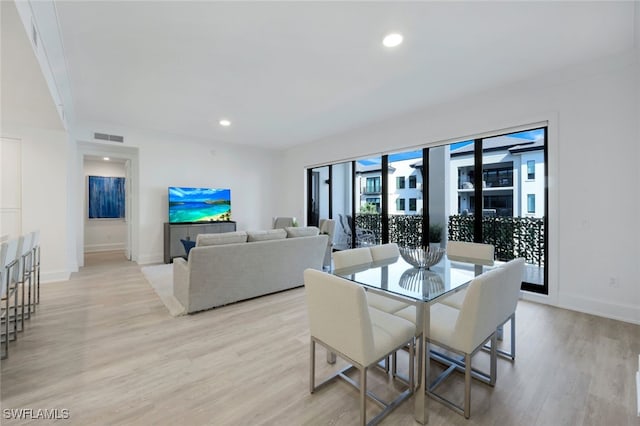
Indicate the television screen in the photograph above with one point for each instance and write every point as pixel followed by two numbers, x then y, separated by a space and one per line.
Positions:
pixel 199 205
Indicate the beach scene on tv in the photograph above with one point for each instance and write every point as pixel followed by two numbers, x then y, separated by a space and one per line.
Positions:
pixel 199 205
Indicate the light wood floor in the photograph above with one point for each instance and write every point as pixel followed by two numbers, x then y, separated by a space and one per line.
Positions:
pixel 103 346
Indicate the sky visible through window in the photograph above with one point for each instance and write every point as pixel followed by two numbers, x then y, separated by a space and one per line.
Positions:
pixel 527 135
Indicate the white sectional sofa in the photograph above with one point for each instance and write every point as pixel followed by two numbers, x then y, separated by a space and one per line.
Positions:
pixel 233 266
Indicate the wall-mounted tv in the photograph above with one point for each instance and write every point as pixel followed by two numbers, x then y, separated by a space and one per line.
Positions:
pixel 199 205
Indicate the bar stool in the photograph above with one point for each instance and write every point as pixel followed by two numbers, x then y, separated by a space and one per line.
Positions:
pixel 8 264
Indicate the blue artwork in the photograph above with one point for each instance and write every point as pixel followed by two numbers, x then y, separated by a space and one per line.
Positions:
pixel 106 197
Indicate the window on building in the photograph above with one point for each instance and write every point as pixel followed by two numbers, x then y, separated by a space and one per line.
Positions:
pixel 412 182
pixel 400 182
pixel 498 205
pixel 372 185
pixel 531 203
pixel 531 169
pixel 400 204
pixel 412 204
pixel 498 177
pixel 374 201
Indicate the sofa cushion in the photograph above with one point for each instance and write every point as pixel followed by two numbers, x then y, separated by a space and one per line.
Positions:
pixel 271 234
pixel 301 231
pixel 221 238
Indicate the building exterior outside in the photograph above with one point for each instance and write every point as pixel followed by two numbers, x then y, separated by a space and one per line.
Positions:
pixel 513 178
pixel 405 187
pixel 513 181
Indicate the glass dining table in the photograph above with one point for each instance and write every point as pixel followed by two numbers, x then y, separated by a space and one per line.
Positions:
pixel 397 279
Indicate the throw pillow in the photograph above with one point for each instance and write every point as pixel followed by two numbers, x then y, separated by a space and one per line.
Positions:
pixel 188 245
pixel 301 231
pixel 220 239
pixel 271 234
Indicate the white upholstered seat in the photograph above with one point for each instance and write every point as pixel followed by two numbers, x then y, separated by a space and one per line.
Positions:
pixel 341 320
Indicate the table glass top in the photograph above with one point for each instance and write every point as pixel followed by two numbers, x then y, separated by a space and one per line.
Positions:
pixel 399 277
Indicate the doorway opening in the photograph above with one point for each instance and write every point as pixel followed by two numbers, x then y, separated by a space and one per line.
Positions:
pixel 107 204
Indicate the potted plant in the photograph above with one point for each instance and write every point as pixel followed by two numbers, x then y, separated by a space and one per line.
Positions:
pixel 435 235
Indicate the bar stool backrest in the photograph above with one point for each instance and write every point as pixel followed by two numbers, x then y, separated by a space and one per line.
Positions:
pixel 9 251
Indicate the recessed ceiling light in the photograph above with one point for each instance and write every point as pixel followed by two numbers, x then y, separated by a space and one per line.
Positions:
pixel 106 158
pixel 392 40
pixel 224 122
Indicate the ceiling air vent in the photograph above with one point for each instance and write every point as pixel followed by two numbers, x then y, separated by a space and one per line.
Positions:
pixel 106 137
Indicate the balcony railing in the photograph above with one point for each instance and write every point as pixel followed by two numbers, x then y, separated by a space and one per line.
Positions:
pixel 512 236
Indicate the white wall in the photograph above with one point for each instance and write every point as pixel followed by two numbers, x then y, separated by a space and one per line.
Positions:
pixel 167 160
pixel 44 194
pixel 103 234
pixel 592 111
pixel 10 188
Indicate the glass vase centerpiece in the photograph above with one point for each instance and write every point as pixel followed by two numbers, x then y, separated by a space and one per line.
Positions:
pixel 422 257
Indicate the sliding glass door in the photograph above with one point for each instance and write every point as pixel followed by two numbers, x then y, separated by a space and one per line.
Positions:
pixel 491 190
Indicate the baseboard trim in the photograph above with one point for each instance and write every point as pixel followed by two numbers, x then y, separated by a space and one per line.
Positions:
pixel 152 259
pixel 54 276
pixel 615 311
pixel 95 248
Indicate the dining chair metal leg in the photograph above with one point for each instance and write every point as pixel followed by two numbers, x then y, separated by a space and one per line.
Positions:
pixel 493 369
pixel 513 336
pixel 363 396
pixel 22 305
pixel 312 366
pixel 467 386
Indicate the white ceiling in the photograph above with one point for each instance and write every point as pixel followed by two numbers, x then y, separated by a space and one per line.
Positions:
pixel 289 73
pixel 25 99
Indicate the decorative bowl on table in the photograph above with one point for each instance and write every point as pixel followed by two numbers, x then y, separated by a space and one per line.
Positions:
pixel 422 257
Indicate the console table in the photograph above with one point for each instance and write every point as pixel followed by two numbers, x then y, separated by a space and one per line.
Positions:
pixel 174 232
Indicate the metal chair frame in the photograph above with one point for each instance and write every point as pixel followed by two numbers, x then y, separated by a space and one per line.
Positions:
pixel 387 407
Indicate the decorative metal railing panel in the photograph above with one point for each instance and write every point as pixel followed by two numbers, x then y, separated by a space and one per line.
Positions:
pixel 512 236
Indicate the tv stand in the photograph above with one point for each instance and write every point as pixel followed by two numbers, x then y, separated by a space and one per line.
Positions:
pixel 174 232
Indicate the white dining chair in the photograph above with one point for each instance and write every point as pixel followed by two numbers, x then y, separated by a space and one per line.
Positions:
pixel 467 252
pixel 508 303
pixel 328 226
pixel 281 222
pixel 341 321
pixel 353 257
pixel 465 331
pixel 477 254
pixel 345 259
pixel 384 252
